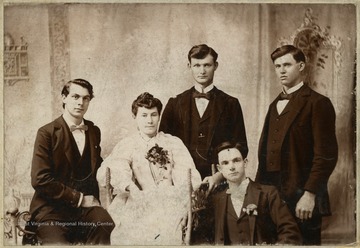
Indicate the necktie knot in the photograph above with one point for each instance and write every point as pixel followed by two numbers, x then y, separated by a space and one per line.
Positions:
pixel 79 127
pixel 197 94
pixel 284 96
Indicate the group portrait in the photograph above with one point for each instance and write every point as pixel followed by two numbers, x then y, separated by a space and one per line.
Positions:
pixel 186 123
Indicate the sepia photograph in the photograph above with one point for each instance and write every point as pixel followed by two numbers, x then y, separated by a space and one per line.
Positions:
pixel 149 123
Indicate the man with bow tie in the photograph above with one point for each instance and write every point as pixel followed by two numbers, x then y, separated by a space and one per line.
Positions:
pixel 65 207
pixel 298 148
pixel 248 213
pixel 203 117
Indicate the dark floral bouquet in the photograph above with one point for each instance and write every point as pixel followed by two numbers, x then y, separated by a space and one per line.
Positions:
pixel 158 158
pixel 157 155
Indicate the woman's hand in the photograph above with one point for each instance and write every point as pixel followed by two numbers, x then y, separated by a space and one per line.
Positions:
pixel 165 175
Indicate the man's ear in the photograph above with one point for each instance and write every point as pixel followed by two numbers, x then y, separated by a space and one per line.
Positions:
pixel 218 167
pixel 216 65
pixel 245 162
pixel 133 116
pixel 301 66
pixel 189 65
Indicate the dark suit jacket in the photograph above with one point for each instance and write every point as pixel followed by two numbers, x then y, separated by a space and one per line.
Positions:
pixel 309 149
pixel 52 169
pixel 226 121
pixel 273 223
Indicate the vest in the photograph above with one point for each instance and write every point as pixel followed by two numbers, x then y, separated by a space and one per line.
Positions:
pixel 82 178
pixel 276 136
pixel 200 131
pixel 273 156
pixel 238 230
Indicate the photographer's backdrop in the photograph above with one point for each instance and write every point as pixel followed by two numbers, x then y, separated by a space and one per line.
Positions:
pixel 126 49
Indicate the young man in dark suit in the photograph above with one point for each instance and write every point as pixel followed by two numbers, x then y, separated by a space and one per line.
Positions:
pixel 65 207
pixel 298 148
pixel 248 213
pixel 203 116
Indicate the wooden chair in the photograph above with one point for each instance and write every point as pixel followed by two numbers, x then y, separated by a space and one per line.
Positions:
pixel 16 226
pixel 197 201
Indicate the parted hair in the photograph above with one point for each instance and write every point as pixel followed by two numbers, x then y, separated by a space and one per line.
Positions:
pixel 201 51
pixel 79 81
pixel 228 145
pixel 297 54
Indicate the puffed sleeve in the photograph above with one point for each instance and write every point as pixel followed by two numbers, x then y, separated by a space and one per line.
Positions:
pixel 182 163
pixel 119 162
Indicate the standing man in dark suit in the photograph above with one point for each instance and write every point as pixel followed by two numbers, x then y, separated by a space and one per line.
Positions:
pixel 203 116
pixel 298 148
pixel 65 207
pixel 248 213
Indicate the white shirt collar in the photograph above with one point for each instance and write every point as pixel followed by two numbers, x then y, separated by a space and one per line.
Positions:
pixel 240 190
pixel 206 90
pixel 70 123
pixel 294 88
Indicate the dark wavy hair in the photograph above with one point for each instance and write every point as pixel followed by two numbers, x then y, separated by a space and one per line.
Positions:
pixel 146 100
pixel 297 54
pixel 228 145
pixel 201 51
pixel 82 82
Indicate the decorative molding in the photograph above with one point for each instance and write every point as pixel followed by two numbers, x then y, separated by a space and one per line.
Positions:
pixel 59 56
pixel 15 60
pixel 322 51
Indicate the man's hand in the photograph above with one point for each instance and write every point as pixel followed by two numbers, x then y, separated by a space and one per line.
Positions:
pixel 305 206
pixel 213 181
pixel 90 201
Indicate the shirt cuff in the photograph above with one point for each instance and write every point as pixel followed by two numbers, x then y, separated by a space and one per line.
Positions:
pixel 80 199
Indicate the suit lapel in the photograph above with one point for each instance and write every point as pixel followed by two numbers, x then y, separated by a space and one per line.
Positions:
pixel 185 113
pixel 218 103
pixel 251 197
pixel 294 109
pixel 92 143
pixel 63 135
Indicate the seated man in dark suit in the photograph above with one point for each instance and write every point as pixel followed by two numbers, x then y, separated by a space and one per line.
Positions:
pixel 249 213
pixel 66 207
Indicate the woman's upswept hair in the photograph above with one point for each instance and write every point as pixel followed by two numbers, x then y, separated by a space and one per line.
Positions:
pixel 146 100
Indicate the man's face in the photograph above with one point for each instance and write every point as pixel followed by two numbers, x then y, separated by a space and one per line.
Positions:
pixel 77 101
pixel 288 70
pixel 147 120
pixel 203 70
pixel 232 165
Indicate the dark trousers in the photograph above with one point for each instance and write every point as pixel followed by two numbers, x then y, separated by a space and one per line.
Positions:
pixel 90 226
pixel 310 230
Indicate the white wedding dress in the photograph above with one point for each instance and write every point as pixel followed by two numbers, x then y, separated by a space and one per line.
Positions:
pixel 151 215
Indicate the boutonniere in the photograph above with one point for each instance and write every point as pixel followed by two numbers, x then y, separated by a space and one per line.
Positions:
pixel 250 209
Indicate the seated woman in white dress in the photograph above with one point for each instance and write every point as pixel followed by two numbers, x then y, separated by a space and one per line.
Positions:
pixel 149 173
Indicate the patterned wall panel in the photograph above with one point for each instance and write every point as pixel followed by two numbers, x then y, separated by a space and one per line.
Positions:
pixel 59 54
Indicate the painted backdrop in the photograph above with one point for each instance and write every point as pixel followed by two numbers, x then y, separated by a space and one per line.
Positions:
pixel 126 49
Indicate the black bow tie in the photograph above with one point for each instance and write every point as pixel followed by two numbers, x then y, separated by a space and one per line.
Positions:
pixel 80 127
pixel 284 96
pixel 197 94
